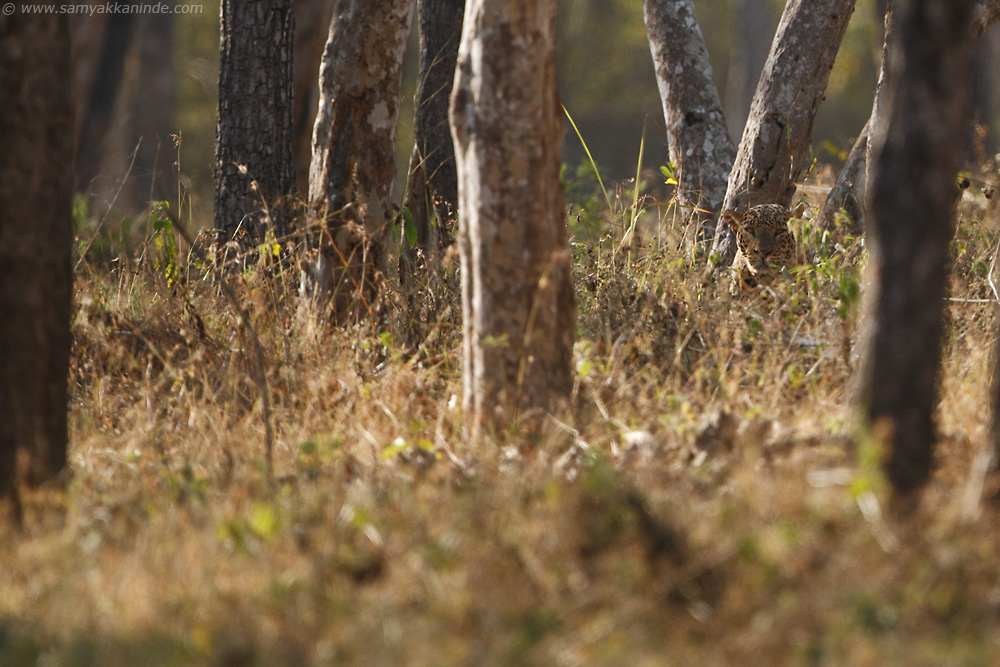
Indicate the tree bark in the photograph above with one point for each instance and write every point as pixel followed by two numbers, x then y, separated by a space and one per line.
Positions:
pixel 700 146
pixel 353 165
pixel 312 22
pixel 432 189
pixel 848 191
pixel 518 306
pixel 254 170
pixel 852 178
pixel 36 132
pixel 914 159
pixel 776 139
pixel 985 14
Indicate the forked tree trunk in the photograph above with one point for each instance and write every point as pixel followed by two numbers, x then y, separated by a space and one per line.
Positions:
pixel 915 156
pixel 254 170
pixel 776 139
pixel 353 162
pixel 700 146
pixel 432 189
pixel 518 306
pixel 36 236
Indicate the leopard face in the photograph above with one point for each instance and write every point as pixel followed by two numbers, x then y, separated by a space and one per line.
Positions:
pixel 765 244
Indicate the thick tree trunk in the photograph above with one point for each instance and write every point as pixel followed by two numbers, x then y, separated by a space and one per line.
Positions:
pixel 518 306
pixel 254 171
pixel 915 156
pixel 699 141
pixel 432 190
pixel 36 236
pixel 776 139
pixel 353 165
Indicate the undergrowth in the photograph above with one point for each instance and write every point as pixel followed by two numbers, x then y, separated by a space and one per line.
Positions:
pixel 702 501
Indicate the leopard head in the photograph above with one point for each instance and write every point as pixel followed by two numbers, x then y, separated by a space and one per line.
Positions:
pixel 763 239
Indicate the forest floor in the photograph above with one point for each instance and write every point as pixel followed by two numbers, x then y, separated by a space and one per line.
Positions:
pixel 704 500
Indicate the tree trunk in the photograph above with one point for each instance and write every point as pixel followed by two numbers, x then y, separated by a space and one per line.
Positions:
pixel 700 146
pixel 776 139
pixel 753 32
pixel 432 189
pixel 850 185
pixel 254 171
pixel 36 237
pixel 353 163
pixel 915 156
pixel 518 306
pixel 985 13
pixel 312 22
pixel 848 192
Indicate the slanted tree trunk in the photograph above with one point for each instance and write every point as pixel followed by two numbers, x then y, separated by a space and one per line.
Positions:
pixel 776 139
pixel 254 171
pixel 915 156
pixel 518 307
pixel 850 185
pixel 847 192
pixel 353 163
pixel 699 141
pixel 985 13
pixel 312 24
pixel 432 190
pixel 36 237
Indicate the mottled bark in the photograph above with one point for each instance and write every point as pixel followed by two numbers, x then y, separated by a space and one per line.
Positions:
pixel 312 23
pixel 848 191
pixel 36 236
pixel 775 143
pixel 254 170
pixel 985 14
pixel 353 163
pixel 518 306
pixel 915 156
pixel 432 188
pixel 700 146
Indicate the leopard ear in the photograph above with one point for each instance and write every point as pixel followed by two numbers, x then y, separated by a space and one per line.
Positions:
pixel 733 219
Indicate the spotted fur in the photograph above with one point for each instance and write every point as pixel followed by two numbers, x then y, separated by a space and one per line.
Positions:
pixel 764 242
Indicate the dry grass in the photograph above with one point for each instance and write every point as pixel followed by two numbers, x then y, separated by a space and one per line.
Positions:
pixel 702 501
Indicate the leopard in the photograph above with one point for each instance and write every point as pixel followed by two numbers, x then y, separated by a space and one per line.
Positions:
pixel 765 245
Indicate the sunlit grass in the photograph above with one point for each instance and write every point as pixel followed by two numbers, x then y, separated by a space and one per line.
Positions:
pixel 698 504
